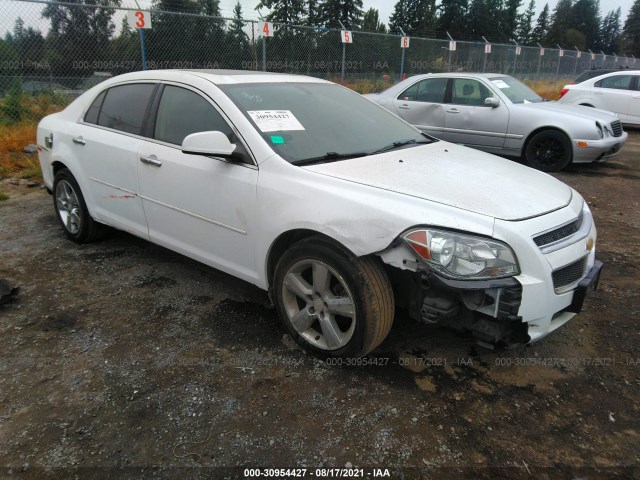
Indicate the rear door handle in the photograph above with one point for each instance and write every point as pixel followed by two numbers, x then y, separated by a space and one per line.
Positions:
pixel 79 140
pixel 404 106
pixel 453 110
pixel 151 160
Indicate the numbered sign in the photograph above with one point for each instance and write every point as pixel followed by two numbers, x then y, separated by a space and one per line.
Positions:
pixel 561 53
pixel 487 48
pixel 518 50
pixel 267 29
pixel 404 42
pixel 139 19
pixel 593 56
pixel 579 55
pixel 452 45
pixel 542 52
pixel 346 36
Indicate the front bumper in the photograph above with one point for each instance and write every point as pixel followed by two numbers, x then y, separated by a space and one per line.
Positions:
pixel 598 150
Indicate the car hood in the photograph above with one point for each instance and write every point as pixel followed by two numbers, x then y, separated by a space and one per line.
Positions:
pixel 456 176
pixel 571 111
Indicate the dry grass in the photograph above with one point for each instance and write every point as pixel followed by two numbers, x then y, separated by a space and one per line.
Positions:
pixel 3 196
pixel 547 88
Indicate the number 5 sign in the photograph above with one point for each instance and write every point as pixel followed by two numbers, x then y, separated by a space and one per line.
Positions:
pixel 139 19
pixel 346 36
pixel 404 42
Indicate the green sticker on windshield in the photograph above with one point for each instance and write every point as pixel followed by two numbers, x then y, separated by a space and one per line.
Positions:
pixel 277 139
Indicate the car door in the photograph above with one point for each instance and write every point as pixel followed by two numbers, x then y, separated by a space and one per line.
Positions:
pixel 469 121
pixel 198 205
pixel 614 93
pixel 108 139
pixel 634 105
pixel 422 105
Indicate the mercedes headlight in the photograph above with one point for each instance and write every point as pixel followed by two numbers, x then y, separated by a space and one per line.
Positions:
pixel 461 256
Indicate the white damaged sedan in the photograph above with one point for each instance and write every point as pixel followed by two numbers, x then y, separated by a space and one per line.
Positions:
pixel 340 210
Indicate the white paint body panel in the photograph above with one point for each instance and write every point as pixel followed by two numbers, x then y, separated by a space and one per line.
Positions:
pixel 228 215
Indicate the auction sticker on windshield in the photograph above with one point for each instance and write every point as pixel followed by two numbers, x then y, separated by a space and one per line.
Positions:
pixel 275 120
pixel 500 84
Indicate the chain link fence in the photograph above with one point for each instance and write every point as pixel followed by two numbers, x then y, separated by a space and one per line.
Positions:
pixel 69 47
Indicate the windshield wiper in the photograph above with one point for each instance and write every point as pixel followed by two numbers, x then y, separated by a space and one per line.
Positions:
pixel 330 157
pixel 401 143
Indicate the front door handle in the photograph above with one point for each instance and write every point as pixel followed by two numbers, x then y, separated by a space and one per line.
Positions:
pixel 151 160
pixel 405 106
pixel 453 110
pixel 79 140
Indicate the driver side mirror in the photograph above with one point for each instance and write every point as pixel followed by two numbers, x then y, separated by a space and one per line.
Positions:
pixel 208 143
pixel 492 102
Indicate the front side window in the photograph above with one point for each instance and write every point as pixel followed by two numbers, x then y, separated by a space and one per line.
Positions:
pixel 125 106
pixel 182 112
pixel 465 91
pixel 621 82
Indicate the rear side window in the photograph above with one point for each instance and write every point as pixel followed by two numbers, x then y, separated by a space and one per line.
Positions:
pixel 94 109
pixel 621 82
pixel 182 112
pixel 124 107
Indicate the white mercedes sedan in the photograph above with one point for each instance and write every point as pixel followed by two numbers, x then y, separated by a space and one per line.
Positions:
pixel 342 211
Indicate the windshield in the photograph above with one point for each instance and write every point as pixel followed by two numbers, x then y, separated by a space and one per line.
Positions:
pixel 515 91
pixel 320 122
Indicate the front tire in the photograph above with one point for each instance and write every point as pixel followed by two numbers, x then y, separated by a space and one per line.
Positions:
pixel 549 151
pixel 331 302
pixel 72 212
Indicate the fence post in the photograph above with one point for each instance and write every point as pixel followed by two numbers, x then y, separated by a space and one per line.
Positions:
pixel 539 60
pixel 484 64
pixel 403 55
pixel 143 49
pixel 344 51
pixel 560 51
pixel 575 67
pixel 515 56
pixel 264 53
pixel 449 49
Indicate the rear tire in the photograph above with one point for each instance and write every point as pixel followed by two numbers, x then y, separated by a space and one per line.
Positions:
pixel 331 302
pixel 549 151
pixel 71 210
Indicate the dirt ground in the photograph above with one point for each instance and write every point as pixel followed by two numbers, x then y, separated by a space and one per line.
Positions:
pixel 124 355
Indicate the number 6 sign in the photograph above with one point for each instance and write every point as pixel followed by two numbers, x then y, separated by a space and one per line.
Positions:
pixel 346 36
pixel 139 19
pixel 404 42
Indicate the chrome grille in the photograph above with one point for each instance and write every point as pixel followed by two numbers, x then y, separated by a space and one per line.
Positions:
pixel 559 233
pixel 565 276
pixel 616 128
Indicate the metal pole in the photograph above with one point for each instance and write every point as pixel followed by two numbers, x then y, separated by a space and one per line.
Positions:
pixel 591 58
pixel 143 49
pixel 484 64
pixel 558 69
pixel 449 61
pixel 403 56
pixel 264 53
pixel 344 52
pixel 539 61
pixel 575 67
pixel 515 56
pixel 604 59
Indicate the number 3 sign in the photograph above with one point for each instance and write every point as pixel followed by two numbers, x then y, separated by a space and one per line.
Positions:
pixel 139 19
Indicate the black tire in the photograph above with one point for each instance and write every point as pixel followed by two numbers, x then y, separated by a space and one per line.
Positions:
pixel 78 226
pixel 549 151
pixel 368 292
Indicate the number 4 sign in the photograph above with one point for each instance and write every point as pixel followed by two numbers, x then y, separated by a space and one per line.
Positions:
pixel 404 42
pixel 346 36
pixel 139 19
pixel 267 29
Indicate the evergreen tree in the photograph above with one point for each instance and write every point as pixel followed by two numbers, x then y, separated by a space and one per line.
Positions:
pixel 349 12
pixel 314 17
pixel 284 11
pixel 525 24
pixel 509 19
pixel 541 30
pixel 78 35
pixel 561 21
pixel 371 21
pixel 586 19
pixel 452 13
pixel 422 17
pixel 480 20
pixel 610 31
pixel 399 19
pixel 631 31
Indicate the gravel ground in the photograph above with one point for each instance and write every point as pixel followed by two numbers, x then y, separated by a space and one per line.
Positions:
pixel 124 355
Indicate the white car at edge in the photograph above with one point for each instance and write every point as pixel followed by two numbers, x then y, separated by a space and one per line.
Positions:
pixel 338 208
pixel 618 92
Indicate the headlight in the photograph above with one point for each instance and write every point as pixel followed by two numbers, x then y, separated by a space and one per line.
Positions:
pixel 461 256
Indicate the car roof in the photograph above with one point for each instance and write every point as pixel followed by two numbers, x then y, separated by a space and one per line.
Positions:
pixel 613 74
pixel 461 74
pixel 219 76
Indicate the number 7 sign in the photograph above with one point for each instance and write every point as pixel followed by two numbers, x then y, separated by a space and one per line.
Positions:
pixel 139 19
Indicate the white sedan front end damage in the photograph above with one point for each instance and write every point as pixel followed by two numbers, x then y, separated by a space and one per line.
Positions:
pixel 554 269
